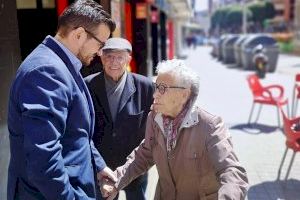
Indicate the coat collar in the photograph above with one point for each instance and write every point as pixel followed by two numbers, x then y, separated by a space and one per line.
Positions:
pixel 55 47
pixel 101 94
pixel 190 119
pixel 128 91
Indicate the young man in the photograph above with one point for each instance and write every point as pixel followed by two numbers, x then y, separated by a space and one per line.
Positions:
pixel 122 101
pixel 51 115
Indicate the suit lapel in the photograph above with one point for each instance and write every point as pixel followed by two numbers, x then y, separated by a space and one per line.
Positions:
pixel 129 90
pixel 90 103
pixel 50 43
pixel 102 96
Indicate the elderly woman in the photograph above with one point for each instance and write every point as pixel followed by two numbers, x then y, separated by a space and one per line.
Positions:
pixel 191 148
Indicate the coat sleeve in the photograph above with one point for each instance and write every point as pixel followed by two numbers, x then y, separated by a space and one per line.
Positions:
pixel 43 99
pixel 99 161
pixel 140 159
pixel 231 175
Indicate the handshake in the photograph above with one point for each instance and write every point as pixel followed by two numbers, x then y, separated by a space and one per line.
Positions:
pixel 106 181
pixel 107 188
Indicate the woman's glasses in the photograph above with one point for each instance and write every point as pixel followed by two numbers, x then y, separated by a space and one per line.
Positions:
pixel 163 87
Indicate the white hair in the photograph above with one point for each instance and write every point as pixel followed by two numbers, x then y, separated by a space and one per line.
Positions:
pixel 182 74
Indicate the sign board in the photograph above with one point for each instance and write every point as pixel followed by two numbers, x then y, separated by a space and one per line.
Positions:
pixel 141 11
pixel 154 16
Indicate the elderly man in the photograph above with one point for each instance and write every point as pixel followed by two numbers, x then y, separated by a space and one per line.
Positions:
pixel 51 115
pixel 122 102
pixel 191 148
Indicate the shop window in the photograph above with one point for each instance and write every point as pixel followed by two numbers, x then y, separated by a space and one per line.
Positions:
pixel 26 4
pixel 48 3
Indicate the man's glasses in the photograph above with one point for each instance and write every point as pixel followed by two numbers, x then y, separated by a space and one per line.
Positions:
pixel 93 36
pixel 163 87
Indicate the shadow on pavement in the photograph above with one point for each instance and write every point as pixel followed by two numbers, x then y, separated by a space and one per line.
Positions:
pixel 255 128
pixel 296 65
pixel 232 66
pixel 276 190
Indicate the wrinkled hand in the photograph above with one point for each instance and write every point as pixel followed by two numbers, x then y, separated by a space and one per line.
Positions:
pixel 106 180
pixel 107 188
pixel 112 195
pixel 106 173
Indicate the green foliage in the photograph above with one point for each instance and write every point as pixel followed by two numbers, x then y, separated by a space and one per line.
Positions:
pixel 232 16
pixel 286 47
pixel 218 18
pixel 258 11
pixel 269 10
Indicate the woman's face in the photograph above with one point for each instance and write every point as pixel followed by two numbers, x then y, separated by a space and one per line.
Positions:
pixel 169 96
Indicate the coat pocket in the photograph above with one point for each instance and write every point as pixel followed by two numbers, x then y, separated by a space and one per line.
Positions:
pixel 192 161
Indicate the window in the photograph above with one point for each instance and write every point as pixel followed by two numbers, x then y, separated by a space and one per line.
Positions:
pixel 26 4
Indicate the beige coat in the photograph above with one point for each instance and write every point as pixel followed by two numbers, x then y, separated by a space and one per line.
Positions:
pixel 202 166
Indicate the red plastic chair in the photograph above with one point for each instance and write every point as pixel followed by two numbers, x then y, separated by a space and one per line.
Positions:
pixel 296 95
pixel 292 140
pixel 269 95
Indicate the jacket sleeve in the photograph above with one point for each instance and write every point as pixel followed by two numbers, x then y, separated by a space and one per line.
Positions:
pixel 231 175
pixel 99 162
pixel 43 99
pixel 140 159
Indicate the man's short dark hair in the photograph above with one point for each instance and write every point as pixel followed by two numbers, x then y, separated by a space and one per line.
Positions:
pixel 84 13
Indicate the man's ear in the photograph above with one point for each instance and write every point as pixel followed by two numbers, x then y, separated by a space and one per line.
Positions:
pixel 79 33
pixel 100 53
pixel 129 58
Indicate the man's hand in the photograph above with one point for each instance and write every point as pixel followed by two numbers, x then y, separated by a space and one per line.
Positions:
pixel 112 195
pixel 106 173
pixel 107 188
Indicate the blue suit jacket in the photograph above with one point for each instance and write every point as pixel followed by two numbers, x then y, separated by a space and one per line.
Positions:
pixel 51 122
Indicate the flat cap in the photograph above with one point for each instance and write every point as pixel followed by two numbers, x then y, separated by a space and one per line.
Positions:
pixel 117 43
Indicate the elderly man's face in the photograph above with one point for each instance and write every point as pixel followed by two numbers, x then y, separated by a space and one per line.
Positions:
pixel 169 96
pixel 115 63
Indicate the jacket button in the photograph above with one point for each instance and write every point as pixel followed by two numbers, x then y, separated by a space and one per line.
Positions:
pixel 114 134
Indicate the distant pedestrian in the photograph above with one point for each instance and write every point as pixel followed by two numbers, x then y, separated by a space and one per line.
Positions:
pixel 191 148
pixel 122 102
pixel 51 116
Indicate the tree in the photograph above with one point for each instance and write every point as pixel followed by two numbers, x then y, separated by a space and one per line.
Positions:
pixel 269 10
pixel 261 11
pixel 229 19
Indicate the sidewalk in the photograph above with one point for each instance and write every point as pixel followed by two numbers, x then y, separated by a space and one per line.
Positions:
pixel 224 91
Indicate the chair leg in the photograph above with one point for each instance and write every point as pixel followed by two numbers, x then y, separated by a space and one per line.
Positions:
pixel 278 117
pixel 288 110
pixel 290 166
pixel 281 164
pixel 258 113
pixel 251 112
pixel 293 102
pixel 296 107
